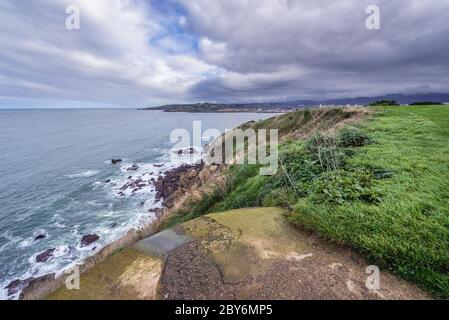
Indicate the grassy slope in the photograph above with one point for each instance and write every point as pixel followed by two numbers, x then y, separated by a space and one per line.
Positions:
pixel 408 230
pixel 401 222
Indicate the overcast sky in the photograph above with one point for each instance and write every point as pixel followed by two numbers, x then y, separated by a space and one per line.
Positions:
pixel 146 53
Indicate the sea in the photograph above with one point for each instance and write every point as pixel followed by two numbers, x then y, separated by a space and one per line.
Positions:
pixel 57 182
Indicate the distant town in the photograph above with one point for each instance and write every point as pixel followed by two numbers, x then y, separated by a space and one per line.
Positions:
pixel 283 107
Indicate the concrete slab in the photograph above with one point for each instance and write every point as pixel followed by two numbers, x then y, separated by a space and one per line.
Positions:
pixel 162 244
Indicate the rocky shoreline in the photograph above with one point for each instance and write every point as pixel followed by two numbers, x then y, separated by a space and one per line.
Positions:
pixel 169 184
pixel 171 188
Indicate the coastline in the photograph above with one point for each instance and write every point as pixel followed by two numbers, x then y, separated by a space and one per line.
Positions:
pixel 174 186
pixel 108 213
pixel 168 193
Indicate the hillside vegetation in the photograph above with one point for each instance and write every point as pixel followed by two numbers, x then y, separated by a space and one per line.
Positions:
pixel 380 185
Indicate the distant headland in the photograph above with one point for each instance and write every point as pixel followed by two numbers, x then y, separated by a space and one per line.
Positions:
pixel 283 107
pixel 226 108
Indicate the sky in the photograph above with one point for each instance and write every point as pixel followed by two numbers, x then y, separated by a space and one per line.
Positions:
pixel 143 53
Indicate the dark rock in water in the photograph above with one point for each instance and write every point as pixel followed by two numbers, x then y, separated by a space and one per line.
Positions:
pixel 88 239
pixel 134 167
pixel 40 237
pixel 135 185
pixel 12 286
pixel 130 177
pixel 142 203
pixel 17 285
pixel 34 284
pixel 158 165
pixel 186 151
pixel 115 161
pixel 125 186
pixel 113 225
pixel 107 181
pixel 45 256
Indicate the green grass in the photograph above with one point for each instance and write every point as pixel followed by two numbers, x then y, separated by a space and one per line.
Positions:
pixel 216 201
pixel 381 188
pixel 408 229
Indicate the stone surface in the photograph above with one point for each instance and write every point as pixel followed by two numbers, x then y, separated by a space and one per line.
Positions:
pixel 40 237
pixel 126 275
pixel 240 254
pixel 162 243
pixel 45 256
pixel 88 239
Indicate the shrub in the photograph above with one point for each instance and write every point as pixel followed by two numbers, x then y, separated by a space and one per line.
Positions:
pixel 426 103
pixel 353 137
pixel 384 103
pixel 282 197
pixel 341 186
pixel 324 149
pixel 297 169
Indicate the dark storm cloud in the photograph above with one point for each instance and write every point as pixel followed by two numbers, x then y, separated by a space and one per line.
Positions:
pixel 131 52
pixel 324 44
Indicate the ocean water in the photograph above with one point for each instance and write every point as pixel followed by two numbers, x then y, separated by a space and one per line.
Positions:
pixel 57 180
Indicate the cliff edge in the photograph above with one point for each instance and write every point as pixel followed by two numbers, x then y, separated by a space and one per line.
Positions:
pixel 238 254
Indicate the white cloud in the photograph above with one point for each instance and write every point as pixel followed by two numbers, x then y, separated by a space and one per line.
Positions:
pixel 131 52
pixel 110 59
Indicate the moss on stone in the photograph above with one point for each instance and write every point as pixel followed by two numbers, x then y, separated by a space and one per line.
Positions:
pixel 126 275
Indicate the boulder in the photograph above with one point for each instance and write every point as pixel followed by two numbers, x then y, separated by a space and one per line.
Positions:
pixel 45 256
pixel 186 151
pixel 17 285
pixel 134 167
pixel 40 237
pixel 88 239
pixel 113 225
pixel 115 161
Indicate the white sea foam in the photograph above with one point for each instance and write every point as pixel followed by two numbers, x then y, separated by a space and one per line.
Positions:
pixel 26 243
pixel 83 174
pixel 65 256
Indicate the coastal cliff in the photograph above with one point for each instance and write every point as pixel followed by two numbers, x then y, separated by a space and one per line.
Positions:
pixel 181 189
pixel 344 176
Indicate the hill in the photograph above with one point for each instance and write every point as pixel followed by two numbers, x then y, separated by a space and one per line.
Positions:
pixel 379 186
pixel 365 182
pixel 282 107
